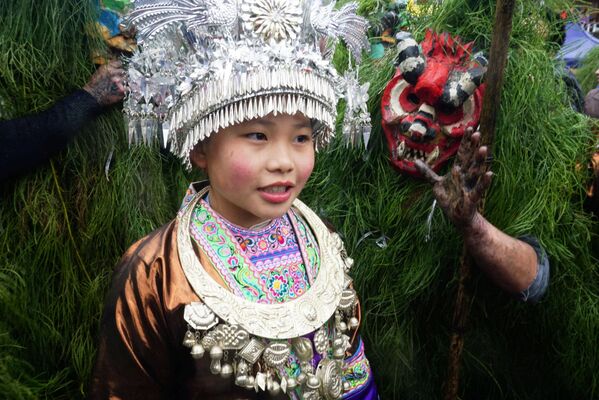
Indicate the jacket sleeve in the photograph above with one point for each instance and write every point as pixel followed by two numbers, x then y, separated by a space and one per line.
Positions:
pixel 134 359
pixel 535 292
pixel 27 142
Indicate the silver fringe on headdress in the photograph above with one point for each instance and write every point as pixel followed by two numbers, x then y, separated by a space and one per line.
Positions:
pixel 203 65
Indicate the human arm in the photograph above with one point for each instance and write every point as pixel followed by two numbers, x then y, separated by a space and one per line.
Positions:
pixel 511 263
pixel 27 142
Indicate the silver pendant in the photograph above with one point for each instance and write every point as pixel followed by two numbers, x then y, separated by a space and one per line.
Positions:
pixel 329 375
pixel 276 354
pixel 321 340
pixel 199 316
pixel 231 337
pixel 252 350
pixel 303 349
pixel 348 300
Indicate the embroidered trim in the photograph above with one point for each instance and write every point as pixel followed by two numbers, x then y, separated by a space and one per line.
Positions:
pixel 356 370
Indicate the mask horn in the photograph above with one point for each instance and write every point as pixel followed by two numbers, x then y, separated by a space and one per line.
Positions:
pixel 462 85
pixel 409 60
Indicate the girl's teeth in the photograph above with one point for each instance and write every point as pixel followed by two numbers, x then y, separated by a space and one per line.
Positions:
pixel 275 189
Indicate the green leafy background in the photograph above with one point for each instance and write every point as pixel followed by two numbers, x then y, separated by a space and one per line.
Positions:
pixel 64 226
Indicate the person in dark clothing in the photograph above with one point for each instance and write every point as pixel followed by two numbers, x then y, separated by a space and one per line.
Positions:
pixel 28 142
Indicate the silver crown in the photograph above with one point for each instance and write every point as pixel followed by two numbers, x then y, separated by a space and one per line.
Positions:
pixel 203 65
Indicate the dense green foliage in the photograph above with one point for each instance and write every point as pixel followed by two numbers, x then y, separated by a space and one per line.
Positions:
pixel 586 72
pixel 63 227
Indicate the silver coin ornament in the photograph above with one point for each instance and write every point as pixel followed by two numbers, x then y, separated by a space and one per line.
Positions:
pixel 321 340
pixel 329 374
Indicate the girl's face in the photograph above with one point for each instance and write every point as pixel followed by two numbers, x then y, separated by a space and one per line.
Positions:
pixel 257 168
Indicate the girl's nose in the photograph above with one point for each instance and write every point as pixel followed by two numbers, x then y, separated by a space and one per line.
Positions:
pixel 280 159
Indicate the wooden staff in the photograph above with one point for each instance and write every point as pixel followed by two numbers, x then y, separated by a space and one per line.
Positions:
pixel 494 79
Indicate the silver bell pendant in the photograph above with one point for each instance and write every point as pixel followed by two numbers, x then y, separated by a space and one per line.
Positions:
pixel 197 351
pixel 313 382
pixel 189 339
pixel 226 371
pixel 275 388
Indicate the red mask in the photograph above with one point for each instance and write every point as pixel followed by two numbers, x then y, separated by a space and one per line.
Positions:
pixel 435 95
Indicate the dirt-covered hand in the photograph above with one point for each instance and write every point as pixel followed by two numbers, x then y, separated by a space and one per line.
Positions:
pixel 106 84
pixel 460 190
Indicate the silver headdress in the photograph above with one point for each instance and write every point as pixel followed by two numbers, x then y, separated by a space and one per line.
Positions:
pixel 203 65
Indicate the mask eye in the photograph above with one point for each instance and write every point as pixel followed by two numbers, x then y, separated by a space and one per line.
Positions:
pixel 408 100
pixel 447 114
pixel 413 98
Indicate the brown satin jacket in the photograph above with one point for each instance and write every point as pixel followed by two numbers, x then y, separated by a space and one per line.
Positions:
pixel 140 354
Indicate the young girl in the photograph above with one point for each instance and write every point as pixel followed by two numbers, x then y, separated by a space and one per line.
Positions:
pixel 246 293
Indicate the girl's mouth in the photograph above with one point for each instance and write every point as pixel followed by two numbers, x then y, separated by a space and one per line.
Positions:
pixel 277 193
pixel 275 189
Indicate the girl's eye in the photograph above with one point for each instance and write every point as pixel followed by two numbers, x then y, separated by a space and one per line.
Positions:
pixel 256 136
pixel 303 138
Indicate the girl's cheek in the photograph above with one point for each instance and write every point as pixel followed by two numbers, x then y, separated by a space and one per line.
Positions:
pixel 305 170
pixel 241 173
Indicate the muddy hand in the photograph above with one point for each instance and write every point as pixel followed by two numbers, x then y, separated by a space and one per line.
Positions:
pixel 461 189
pixel 107 84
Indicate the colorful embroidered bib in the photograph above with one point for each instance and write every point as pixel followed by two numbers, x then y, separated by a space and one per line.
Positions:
pixel 265 265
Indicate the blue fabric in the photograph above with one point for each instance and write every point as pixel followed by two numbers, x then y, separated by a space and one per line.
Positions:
pixel 576 45
pixel 110 20
pixel 539 285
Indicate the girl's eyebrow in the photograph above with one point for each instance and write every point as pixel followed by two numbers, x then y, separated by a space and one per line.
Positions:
pixel 304 124
pixel 265 122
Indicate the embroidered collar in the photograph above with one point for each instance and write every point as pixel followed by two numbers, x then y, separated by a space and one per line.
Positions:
pixel 274 264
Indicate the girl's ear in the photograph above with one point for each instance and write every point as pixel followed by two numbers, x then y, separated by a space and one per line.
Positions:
pixel 198 156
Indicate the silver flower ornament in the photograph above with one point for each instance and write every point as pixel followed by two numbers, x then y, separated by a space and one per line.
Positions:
pixel 273 19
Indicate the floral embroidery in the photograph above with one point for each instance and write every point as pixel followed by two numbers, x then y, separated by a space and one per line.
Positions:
pixel 278 285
